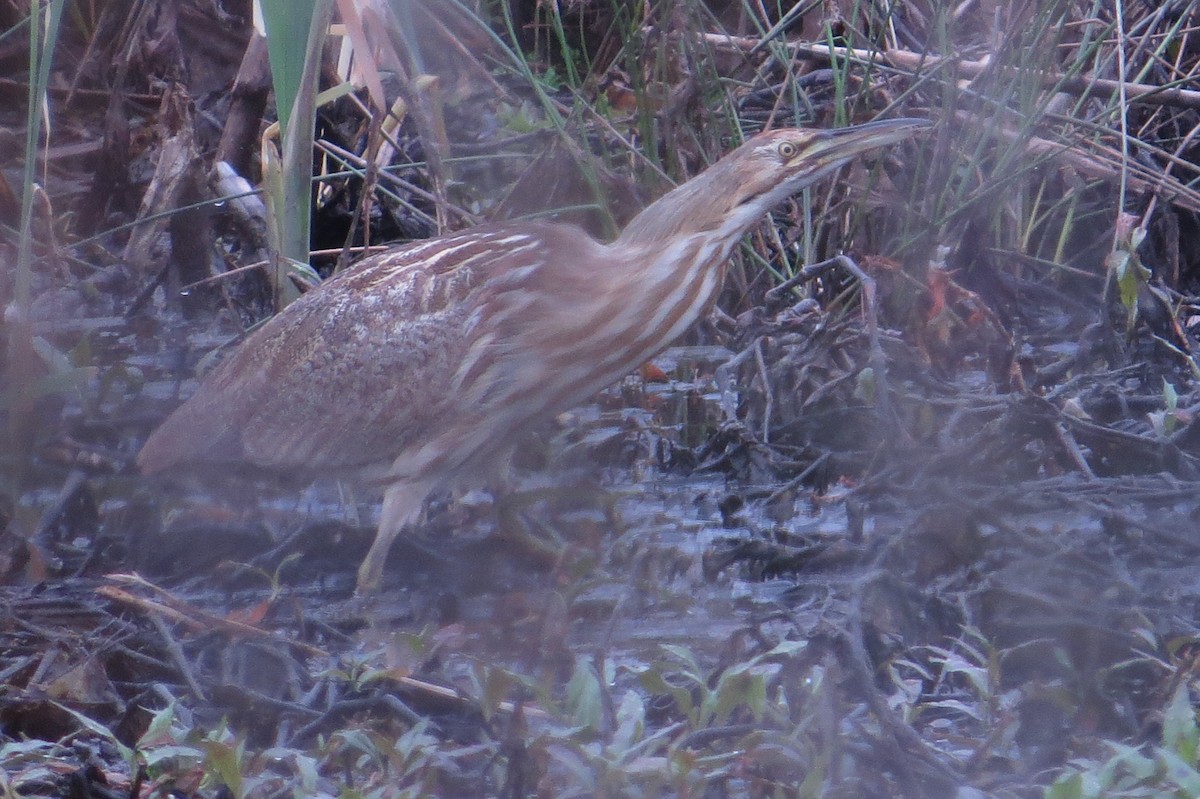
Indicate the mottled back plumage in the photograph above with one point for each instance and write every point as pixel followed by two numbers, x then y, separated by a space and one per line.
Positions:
pixel 367 366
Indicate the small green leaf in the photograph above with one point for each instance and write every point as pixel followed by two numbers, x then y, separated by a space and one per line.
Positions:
pixel 1170 396
pixel 1180 734
pixel 225 761
pixel 174 756
pixel 497 684
pixel 631 721
pixel 158 731
pixel 585 696
pixel 1068 787
pixel 865 386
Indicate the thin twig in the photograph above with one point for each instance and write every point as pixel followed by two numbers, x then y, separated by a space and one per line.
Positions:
pixel 769 395
pixel 876 358
pixel 910 61
pixel 177 655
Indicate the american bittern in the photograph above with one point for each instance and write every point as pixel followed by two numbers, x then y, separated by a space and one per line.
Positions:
pixel 420 366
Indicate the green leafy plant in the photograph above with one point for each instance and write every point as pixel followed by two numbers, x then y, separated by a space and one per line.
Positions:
pixel 295 33
pixel 1169 767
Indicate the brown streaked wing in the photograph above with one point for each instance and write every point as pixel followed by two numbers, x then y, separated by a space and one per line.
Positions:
pixel 377 376
pixel 357 370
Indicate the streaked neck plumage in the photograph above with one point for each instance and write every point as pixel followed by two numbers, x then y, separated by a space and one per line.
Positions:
pixel 703 205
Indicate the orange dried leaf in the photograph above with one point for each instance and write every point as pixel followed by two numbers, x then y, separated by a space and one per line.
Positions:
pixel 939 283
pixel 652 374
pixel 251 615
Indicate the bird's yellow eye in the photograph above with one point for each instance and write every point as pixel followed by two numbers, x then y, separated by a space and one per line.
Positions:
pixel 788 150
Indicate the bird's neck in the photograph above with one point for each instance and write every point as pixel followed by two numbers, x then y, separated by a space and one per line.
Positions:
pixel 704 205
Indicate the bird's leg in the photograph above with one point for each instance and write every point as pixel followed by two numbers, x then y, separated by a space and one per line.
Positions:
pixel 401 505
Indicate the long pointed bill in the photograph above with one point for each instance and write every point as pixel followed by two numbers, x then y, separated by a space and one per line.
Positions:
pixel 830 148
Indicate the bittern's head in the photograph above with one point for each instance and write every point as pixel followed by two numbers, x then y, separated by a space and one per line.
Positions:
pixel 775 164
pixel 734 192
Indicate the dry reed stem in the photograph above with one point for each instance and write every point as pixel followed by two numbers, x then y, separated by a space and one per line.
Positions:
pixel 909 61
